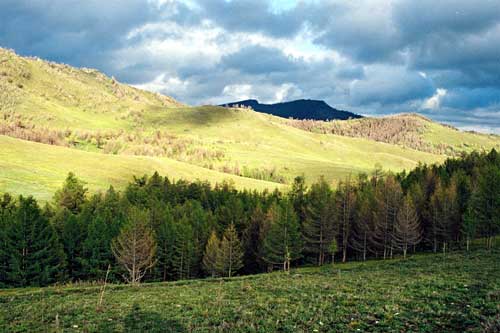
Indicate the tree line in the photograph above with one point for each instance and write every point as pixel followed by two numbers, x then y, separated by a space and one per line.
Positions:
pixel 158 229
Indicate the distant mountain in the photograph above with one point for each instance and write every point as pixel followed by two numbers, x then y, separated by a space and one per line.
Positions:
pixel 299 109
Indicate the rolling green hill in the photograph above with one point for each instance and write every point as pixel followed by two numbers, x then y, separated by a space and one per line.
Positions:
pixel 425 293
pixel 106 132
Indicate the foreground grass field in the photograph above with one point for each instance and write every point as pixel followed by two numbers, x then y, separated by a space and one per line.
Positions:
pixel 425 293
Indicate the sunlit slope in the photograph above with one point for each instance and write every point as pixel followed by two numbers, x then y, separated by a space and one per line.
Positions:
pixel 257 139
pixel 131 131
pixel 39 169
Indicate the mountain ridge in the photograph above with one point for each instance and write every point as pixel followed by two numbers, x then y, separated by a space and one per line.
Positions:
pixel 303 109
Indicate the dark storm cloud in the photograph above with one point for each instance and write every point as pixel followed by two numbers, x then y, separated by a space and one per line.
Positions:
pixel 391 85
pixel 77 32
pixel 259 60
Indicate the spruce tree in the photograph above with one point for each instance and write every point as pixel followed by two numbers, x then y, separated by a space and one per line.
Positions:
pixel 103 218
pixel 7 209
pixel 36 256
pixel 72 195
pixel 230 258
pixel 165 239
pixel 72 235
pixel 184 250
pixel 283 243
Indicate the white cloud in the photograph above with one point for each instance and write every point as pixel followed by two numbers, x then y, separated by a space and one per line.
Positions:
pixel 434 102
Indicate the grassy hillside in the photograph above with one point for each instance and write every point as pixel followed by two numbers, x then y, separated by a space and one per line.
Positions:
pixel 426 293
pixel 85 111
pixel 407 130
pixel 38 169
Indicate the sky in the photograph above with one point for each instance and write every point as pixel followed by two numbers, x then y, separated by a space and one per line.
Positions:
pixel 374 57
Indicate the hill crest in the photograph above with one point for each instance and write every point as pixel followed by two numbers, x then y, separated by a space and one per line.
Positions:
pixel 301 109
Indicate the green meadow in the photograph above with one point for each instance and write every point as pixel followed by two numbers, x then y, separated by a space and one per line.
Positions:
pixel 459 292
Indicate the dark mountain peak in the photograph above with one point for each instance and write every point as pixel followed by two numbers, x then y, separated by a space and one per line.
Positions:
pixel 298 109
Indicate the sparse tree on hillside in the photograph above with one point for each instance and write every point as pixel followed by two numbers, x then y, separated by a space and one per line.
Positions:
pixel 230 258
pixel 407 231
pixel 135 246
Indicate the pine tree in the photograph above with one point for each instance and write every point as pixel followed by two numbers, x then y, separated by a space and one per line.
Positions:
pixel 211 252
pixel 230 258
pixel 283 243
pixel 135 246
pixel 407 231
pixel 36 256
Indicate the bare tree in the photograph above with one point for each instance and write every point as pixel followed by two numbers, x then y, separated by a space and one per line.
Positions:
pixel 407 230
pixel 135 246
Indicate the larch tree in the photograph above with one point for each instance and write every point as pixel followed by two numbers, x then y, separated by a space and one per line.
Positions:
pixel 283 243
pixel 135 246
pixel 486 203
pixel 253 237
pixel 211 252
pixel 345 197
pixel 363 222
pixel 407 231
pixel 319 229
pixel 469 227
pixel 388 198
pixel 230 256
